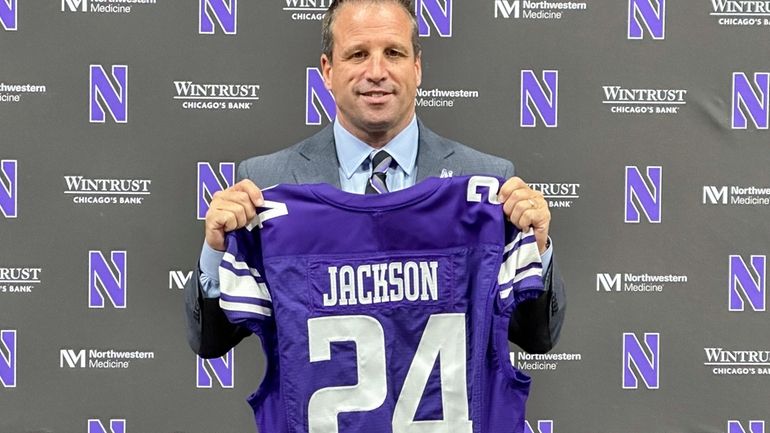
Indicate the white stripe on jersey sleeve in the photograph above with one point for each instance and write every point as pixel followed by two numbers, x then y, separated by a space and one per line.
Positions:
pixel 515 240
pixel 229 258
pixel 524 255
pixel 242 307
pixel 504 294
pixel 242 285
pixel 528 273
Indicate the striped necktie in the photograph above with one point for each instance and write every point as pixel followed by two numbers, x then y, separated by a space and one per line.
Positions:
pixel 380 163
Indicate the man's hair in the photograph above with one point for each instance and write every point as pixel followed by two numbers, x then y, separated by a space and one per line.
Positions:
pixel 327 38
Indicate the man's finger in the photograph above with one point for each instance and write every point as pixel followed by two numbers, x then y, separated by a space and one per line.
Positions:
pixel 508 187
pixel 255 194
pixel 236 210
pixel 244 200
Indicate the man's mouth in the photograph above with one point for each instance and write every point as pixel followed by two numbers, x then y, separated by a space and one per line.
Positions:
pixel 376 96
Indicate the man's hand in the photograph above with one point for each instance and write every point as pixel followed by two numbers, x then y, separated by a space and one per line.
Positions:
pixel 231 209
pixel 526 208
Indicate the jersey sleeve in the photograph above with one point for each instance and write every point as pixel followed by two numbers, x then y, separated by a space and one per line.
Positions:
pixel 521 271
pixel 244 294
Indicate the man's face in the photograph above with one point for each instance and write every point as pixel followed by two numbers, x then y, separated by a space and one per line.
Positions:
pixel 375 71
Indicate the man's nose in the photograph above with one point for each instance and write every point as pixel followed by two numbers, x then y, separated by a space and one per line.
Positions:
pixel 376 70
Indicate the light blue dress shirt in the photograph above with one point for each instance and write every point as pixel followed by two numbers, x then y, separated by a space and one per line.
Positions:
pixel 355 170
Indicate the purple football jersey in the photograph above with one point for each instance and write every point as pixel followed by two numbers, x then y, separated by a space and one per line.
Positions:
pixel 383 313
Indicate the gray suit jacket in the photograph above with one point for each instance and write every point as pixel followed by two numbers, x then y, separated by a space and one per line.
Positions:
pixel 536 324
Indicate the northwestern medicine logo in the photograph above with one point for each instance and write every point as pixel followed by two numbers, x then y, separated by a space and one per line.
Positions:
pixel 545 102
pixel 115 426
pixel 9 16
pixel 103 281
pixel 641 363
pixel 536 9
pixel 317 96
pixel 8 187
pixel 178 279
pixel 102 6
pixel 754 427
pixel 637 191
pixel 636 283
pixel 223 12
pixel 440 15
pixel 102 359
pixel 736 195
pixel 104 95
pixel 743 283
pixel 209 183
pixel 220 368
pixel 649 15
pixel 748 103
pixel 543 426
pixel 8 358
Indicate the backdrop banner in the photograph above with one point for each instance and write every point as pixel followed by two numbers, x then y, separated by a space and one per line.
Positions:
pixel 643 122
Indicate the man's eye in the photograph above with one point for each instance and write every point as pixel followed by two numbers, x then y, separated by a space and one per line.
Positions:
pixel 358 55
pixel 394 53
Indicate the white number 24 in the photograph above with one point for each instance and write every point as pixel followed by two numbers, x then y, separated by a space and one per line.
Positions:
pixel 444 337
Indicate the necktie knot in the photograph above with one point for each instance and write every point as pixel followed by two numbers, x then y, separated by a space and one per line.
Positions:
pixel 381 161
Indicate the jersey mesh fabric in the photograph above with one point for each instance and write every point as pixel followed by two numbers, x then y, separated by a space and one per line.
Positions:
pixel 372 308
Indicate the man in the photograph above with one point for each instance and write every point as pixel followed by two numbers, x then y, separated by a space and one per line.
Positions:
pixel 371 63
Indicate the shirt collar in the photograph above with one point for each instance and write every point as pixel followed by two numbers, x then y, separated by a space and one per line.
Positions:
pixel 352 152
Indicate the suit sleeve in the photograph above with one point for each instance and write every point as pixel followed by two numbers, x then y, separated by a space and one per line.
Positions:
pixel 536 323
pixel 209 333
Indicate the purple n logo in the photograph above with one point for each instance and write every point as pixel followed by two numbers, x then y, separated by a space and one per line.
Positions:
pixel 754 427
pixel 742 280
pixel 649 199
pixel 440 16
pixel 115 99
pixel 745 100
pixel 543 426
pixel 316 91
pixel 533 93
pixel 116 426
pixel 221 368
pixel 8 202
pixel 223 11
pixel 8 358
pixel 653 17
pixel 647 366
pixel 209 183
pixel 9 15
pixel 100 274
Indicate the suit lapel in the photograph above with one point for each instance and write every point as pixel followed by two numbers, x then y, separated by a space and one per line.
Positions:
pixel 433 155
pixel 317 157
pixel 318 160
